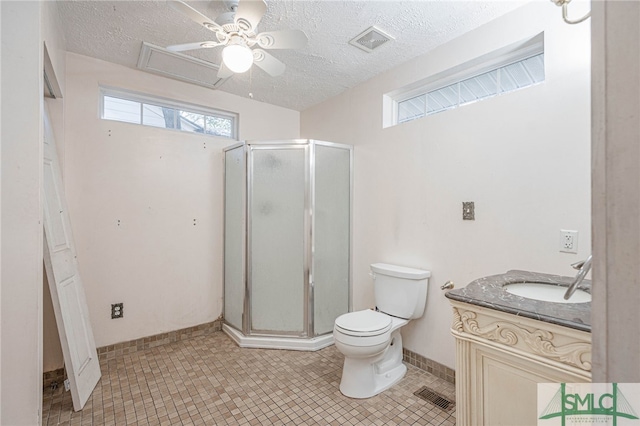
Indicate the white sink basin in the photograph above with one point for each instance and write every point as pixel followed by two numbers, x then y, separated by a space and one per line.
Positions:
pixel 547 292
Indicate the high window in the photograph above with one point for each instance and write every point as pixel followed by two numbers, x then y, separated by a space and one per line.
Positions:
pixel 495 74
pixel 129 107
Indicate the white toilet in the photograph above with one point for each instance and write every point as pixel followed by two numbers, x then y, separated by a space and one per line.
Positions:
pixel 370 340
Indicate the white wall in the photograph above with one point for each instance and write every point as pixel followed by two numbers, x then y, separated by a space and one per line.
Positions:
pixel 166 271
pixel 523 158
pixel 21 276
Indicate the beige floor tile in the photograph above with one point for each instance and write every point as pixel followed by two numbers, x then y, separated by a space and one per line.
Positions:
pixel 208 380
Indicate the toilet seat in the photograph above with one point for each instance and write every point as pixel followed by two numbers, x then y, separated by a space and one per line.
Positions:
pixel 364 323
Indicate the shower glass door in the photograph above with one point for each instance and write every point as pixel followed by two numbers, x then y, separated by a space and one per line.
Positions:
pixel 331 234
pixel 278 258
pixel 234 276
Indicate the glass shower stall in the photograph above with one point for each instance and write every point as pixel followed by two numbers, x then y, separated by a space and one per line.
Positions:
pixel 287 242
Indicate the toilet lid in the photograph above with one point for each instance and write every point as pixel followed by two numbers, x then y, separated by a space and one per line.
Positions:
pixel 363 323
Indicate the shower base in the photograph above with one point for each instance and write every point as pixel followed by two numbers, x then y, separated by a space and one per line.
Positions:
pixel 278 342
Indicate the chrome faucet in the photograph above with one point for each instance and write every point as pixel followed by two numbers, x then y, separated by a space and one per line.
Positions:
pixel 583 268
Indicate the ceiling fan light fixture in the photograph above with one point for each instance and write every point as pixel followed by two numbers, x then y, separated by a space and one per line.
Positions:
pixel 237 57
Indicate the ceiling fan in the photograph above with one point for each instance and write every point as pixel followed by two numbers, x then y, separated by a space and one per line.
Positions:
pixel 236 31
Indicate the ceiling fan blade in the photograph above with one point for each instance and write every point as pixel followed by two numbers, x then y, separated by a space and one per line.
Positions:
pixel 194 15
pixel 193 46
pixel 224 72
pixel 249 14
pixel 285 39
pixel 268 63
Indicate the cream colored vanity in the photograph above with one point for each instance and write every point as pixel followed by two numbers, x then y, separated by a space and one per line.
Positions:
pixel 506 344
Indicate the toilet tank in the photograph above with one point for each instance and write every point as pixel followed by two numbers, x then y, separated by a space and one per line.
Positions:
pixel 400 291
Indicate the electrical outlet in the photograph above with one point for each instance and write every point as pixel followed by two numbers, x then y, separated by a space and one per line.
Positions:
pixel 568 241
pixel 117 310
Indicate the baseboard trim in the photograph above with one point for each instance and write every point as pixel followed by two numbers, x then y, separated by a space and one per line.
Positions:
pixel 113 351
pixel 428 365
pixel 132 346
pixel 54 378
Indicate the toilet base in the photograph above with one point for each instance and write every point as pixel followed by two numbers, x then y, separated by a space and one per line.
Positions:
pixel 382 383
pixel 367 377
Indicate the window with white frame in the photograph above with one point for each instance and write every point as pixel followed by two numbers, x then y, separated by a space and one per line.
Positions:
pixel 130 107
pixel 492 75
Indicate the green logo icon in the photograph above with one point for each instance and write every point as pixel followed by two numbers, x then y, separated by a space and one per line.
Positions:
pixel 612 404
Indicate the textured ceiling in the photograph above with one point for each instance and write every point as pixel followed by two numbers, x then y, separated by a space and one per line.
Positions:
pixel 114 31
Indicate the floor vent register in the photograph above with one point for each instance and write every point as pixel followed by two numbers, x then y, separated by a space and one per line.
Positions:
pixel 434 398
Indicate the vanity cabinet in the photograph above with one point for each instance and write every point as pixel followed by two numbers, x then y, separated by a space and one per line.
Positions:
pixel 500 359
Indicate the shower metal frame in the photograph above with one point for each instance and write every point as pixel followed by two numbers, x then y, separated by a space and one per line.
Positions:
pixel 308 145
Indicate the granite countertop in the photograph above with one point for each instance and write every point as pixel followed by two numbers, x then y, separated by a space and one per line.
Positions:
pixel 488 292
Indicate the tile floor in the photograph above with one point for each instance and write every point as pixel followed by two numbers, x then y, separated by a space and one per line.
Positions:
pixel 208 380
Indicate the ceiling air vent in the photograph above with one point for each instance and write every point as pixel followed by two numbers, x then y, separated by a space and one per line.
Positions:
pixel 370 39
pixel 158 60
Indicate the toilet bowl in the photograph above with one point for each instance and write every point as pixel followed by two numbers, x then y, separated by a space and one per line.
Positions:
pixel 370 340
pixel 373 354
